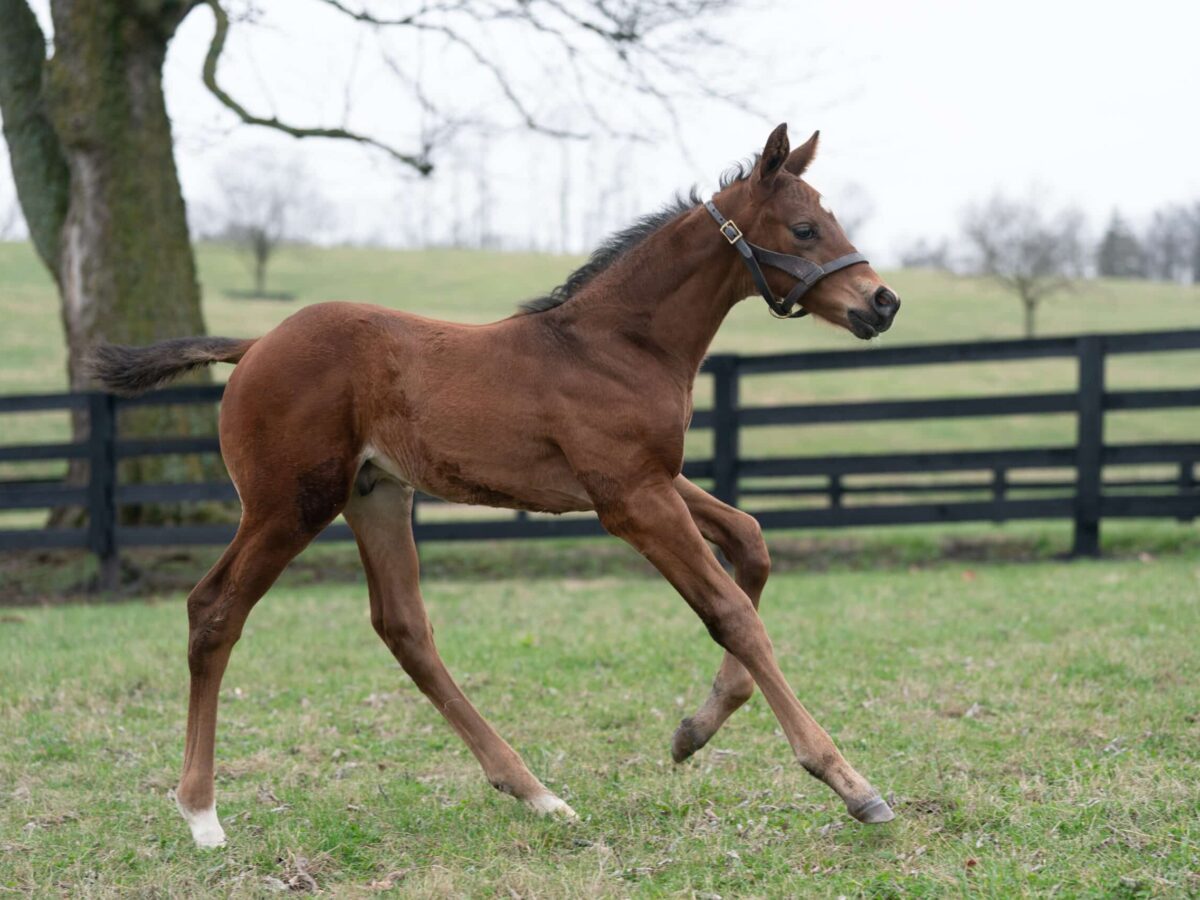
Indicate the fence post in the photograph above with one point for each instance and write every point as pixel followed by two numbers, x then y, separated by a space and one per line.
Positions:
pixel 1089 447
pixel 725 428
pixel 836 491
pixel 1187 484
pixel 999 490
pixel 102 487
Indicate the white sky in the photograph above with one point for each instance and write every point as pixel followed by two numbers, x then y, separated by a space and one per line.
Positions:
pixel 926 104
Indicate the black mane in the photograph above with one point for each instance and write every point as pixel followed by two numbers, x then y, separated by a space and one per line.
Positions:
pixel 616 245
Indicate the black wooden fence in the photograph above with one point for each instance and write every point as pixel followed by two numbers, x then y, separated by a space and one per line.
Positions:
pixel 1083 495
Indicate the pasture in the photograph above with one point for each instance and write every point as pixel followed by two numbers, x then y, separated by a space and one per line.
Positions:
pixel 1037 722
pixel 1037 725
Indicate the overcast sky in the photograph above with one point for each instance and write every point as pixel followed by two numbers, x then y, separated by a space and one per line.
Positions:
pixel 924 104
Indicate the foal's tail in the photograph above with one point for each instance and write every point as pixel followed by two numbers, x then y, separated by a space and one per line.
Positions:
pixel 133 370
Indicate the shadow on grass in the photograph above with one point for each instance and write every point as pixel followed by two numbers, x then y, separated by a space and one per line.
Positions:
pixel 55 577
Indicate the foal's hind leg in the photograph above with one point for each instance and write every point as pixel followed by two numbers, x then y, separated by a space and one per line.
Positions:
pixel 217 610
pixel 740 539
pixel 382 524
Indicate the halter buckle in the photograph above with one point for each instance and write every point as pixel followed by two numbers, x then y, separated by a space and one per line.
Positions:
pixel 732 233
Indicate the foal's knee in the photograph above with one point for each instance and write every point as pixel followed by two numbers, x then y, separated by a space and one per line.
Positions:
pixel 213 626
pixel 407 637
pixel 736 627
pixel 734 690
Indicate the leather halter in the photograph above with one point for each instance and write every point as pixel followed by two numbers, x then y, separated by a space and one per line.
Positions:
pixel 808 273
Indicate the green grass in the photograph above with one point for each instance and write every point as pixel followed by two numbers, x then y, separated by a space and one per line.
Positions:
pixel 1036 723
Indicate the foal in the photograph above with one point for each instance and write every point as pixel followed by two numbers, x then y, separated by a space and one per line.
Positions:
pixel 579 402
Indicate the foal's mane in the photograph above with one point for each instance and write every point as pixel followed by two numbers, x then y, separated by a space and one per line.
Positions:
pixel 618 244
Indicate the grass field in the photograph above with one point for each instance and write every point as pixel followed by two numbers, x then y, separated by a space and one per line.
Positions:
pixel 1036 724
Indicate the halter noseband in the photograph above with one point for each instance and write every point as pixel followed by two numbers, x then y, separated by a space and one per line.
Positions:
pixel 808 273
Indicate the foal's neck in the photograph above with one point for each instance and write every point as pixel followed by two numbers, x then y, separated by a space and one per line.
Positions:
pixel 667 296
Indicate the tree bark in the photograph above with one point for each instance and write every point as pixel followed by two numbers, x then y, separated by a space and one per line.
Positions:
pixel 120 253
pixel 38 165
pixel 1030 314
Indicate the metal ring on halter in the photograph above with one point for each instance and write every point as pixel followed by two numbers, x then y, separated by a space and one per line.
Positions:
pixel 806 272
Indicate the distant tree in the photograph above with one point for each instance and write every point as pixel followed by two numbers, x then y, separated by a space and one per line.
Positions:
pixel 1030 252
pixel 1172 242
pixel 926 254
pixel 1120 254
pixel 1193 233
pixel 263 203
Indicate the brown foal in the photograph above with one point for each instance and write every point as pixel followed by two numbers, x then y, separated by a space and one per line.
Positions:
pixel 579 402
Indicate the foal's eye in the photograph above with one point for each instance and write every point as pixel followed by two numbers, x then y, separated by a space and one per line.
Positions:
pixel 805 232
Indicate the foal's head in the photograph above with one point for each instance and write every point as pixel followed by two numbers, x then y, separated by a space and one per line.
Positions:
pixel 776 209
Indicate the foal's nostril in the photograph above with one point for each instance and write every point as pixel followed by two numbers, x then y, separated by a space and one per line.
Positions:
pixel 886 303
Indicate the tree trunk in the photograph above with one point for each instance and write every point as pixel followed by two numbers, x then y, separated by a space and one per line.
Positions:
pixel 121 255
pixel 38 165
pixel 261 253
pixel 1030 314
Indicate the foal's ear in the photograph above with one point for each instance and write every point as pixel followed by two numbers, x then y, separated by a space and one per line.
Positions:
pixel 801 158
pixel 774 155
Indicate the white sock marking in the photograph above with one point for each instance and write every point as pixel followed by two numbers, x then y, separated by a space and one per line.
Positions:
pixel 548 805
pixel 206 828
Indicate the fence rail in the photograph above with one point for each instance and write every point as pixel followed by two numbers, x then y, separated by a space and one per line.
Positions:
pixel 1084 498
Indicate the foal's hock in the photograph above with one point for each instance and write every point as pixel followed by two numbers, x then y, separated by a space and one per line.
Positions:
pixel 578 402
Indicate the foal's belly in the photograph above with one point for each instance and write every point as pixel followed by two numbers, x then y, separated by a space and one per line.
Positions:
pixel 521 474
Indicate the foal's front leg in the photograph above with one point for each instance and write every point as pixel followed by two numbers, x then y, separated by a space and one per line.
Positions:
pixel 740 539
pixel 655 520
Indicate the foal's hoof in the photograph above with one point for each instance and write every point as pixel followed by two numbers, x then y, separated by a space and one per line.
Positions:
pixel 549 805
pixel 687 740
pixel 874 811
pixel 205 827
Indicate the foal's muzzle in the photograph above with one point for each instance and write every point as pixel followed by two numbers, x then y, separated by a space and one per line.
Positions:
pixel 877 318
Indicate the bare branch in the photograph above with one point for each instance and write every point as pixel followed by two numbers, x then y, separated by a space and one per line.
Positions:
pixel 420 162
pixel 416 21
pixel 368 19
pixel 502 82
pixel 623 29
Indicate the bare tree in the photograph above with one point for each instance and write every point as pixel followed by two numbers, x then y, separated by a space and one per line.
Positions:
pixel 924 253
pixel 1120 254
pixel 1030 252
pixel 1166 243
pixel 1193 218
pixel 265 202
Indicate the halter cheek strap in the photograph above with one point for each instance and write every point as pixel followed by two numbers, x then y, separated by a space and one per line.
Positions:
pixel 806 273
